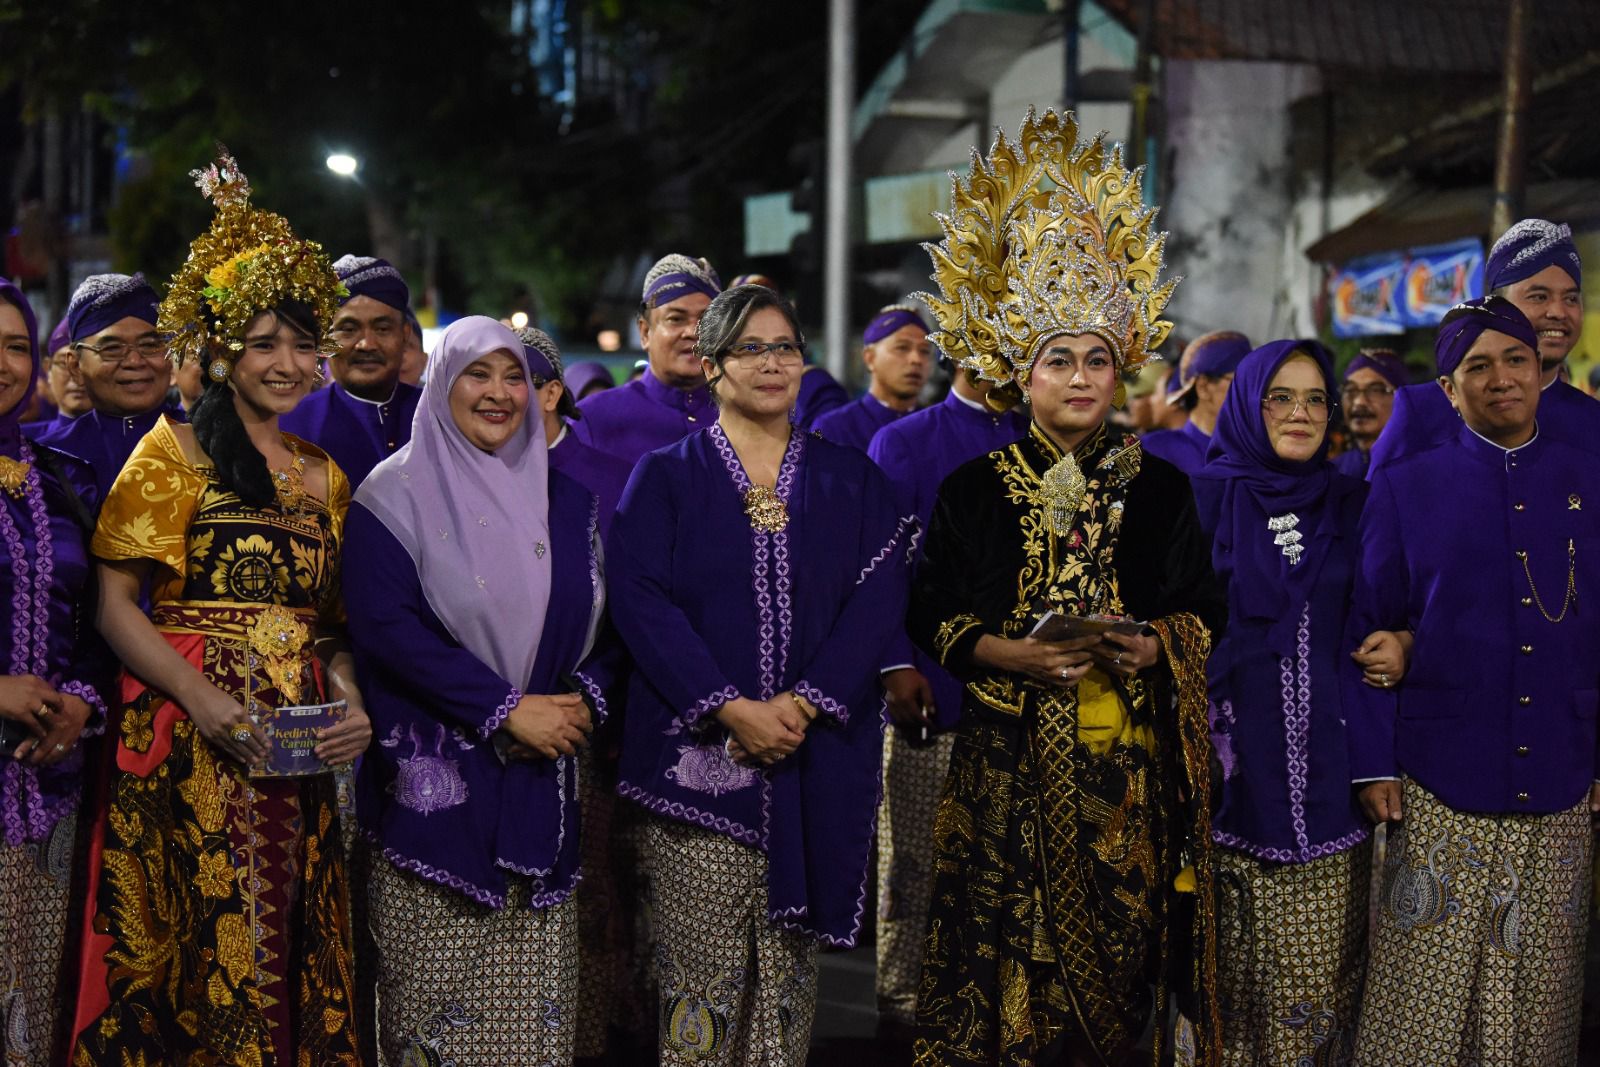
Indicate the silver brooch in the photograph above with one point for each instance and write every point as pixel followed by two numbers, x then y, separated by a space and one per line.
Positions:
pixel 1286 537
pixel 538 549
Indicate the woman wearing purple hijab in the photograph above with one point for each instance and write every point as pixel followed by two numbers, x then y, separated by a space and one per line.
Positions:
pixel 48 696
pixel 473 583
pixel 1293 869
pixel 758 573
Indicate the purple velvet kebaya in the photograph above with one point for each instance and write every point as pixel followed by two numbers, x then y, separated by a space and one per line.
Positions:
pixel 713 608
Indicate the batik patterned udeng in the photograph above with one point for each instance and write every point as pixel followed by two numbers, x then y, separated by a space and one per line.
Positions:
pixel 1478 956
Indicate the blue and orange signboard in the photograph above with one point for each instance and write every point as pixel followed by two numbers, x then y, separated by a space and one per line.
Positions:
pixel 1393 291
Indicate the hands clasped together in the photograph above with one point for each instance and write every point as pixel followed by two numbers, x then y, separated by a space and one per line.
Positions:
pixel 53 720
pixel 762 732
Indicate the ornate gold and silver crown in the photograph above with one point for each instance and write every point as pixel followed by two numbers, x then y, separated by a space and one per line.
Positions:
pixel 248 261
pixel 1044 237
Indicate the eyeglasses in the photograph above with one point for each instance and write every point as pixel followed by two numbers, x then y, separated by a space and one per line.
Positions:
pixel 1372 391
pixel 1282 406
pixel 348 333
pixel 118 352
pixel 756 353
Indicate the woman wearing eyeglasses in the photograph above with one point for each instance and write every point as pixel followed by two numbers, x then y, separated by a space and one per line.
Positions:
pixel 1293 869
pixel 757 573
pixel 1367 401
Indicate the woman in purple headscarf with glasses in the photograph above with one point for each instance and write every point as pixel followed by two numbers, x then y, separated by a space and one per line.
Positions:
pixel 473 586
pixel 48 696
pixel 1294 863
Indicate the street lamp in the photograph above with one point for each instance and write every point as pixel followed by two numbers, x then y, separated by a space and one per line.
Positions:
pixel 519 319
pixel 343 164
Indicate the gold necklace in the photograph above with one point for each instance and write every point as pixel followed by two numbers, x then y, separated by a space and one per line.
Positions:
pixel 290 481
pixel 765 509
pixel 1567 597
pixel 13 475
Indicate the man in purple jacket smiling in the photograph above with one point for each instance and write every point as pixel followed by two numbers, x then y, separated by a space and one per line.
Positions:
pixel 1482 759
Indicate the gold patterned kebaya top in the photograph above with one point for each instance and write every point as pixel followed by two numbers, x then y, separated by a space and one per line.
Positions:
pixel 1044 237
pixel 209 546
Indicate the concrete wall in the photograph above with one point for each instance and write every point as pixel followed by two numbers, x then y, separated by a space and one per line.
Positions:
pixel 1228 198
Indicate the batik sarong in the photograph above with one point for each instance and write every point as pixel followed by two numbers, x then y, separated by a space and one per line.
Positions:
pixel 469 985
pixel 1291 955
pixel 1478 957
pixel 913 776
pixel 34 885
pixel 734 989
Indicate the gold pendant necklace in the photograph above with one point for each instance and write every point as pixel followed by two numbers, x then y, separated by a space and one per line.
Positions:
pixel 13 475
pixel 290 482
pixel 765 509
pixel 1062 488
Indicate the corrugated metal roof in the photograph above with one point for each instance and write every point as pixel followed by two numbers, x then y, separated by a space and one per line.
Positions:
pixel 1418 36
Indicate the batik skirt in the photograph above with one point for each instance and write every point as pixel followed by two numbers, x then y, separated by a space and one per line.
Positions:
pixel 1291 956
pixel 465 984
pixel 35 880
pixel 734 989
pixel 913 777
pixel 1478 957
pixel 219 925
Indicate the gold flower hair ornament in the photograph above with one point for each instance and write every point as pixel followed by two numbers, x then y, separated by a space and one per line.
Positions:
pixel 248 261
pixel 1047 236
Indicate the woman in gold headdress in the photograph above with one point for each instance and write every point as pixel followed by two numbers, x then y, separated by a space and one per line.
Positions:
pixel 218 928
pixel 1077 788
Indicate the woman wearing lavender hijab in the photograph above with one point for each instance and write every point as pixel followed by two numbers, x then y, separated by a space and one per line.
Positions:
pixel 757 574
pixel 473 590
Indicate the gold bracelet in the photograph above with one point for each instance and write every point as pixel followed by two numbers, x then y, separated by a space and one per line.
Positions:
pixel 808 709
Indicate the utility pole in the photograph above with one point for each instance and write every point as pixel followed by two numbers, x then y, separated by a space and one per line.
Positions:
pixel 1138 136
pixel 1510 164
pixel 836 233
pixel 1070 12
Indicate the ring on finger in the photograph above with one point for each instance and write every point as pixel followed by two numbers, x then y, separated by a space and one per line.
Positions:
pixel 240 734
pixel 1383 679
pixel 1118 661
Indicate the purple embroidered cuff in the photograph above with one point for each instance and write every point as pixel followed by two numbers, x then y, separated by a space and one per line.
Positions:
pixel 502 713
pixel 709 705
pixel 95 725
pixel 828 706
pixel 910 523
pixel 595 694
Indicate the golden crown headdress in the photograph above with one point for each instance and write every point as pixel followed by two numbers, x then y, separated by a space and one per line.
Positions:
pixel 248 261
pixel 1047 236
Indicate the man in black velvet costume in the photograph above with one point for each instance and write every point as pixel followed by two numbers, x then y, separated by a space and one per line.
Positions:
pixel 1071 810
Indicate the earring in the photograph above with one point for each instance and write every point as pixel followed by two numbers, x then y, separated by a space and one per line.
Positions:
pixel 1120 397
pixel 218 370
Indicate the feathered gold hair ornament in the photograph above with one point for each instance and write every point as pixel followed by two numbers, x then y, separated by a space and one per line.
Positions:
pixel 247 262
pixel 1047 236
